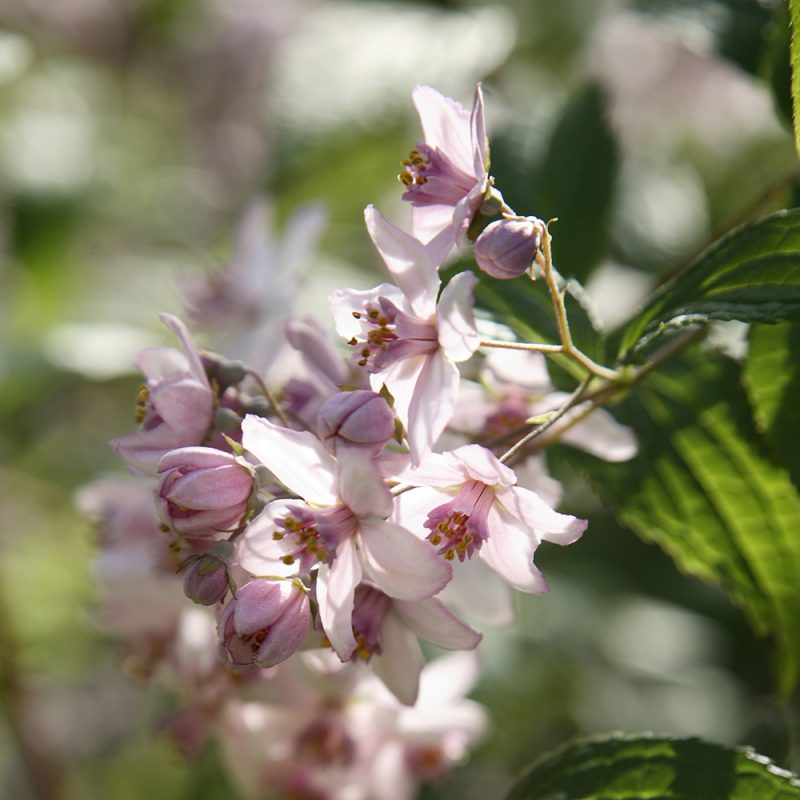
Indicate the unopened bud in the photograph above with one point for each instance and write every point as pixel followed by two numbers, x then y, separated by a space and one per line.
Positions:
pixel 507 247
pixel 265 622
pixel 206 580
pixel 361 418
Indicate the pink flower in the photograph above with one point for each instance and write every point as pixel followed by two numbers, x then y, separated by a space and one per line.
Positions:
pixel 446 177
pixel 506 248
pixel 407 340
pixel 386 629
pixel 265 622
pixel 176 406
pixel 468 505
pixel 341 531
pixel 360 418
pixel 202 491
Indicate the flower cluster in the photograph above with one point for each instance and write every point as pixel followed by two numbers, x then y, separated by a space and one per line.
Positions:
pixel 317 513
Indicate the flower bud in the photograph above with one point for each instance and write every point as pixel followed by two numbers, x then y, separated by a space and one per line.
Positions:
pixel 206 580
pixel 506 248
pixel 265 622
pixel 361 418
pixel 202 491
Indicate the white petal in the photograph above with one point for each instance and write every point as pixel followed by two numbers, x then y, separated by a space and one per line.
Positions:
pixel 408 260
pixel 157 363
pixel 480 594
pixel 434 226
pixel 602 436
pixel 509 552
pixel 482 465
pixel 455 320
pixel 296 458
pixel 432 404
pixel 360 483
pixel 401 565
pixel 448 678
pixel 532 474
pixel 336 586
pixel 436 469
pixel 478 133
pixel 258 552
pixel 401 662
pixel 446 124
pixel 411 508
pixel 434 623
pixel 535 514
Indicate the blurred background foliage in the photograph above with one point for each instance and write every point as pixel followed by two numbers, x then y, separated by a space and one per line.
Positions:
pixel 133 135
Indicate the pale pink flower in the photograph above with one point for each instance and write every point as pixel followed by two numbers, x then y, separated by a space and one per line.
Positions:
pixel 341 529
pixel 176 406
pixel 407 340
pixel 468 504
pixel 386 633
pixel 447 175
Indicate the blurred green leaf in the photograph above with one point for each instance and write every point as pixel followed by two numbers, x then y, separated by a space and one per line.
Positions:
pixel 704 488
pixel 752 274
pixel 772 379
pixel 577 184
pixel 777 64
pixel 632 768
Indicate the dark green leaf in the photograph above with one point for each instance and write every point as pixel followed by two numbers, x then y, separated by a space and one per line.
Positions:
pixel 752 274
pixel 577 184
pixel 704 488
pixel 772 379
pixel 634 768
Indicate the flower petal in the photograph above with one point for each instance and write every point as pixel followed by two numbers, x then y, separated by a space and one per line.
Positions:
pixel 401 662
pixel 431 620
pixel 602 436
pixel 259 552
pixel 399 563
pixel 446 125
pixel 346 303
pixel 296 458
pixel 189 348
pixel 360 483
pixel 480 146
pixel 455 320
pixel 536 515
pixel 408 260
pixel 336 586
pixel 480 594
pixel 509 551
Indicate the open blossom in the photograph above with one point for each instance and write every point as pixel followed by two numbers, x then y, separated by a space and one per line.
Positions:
pixel 446 177
pixel 468 504
pixel 176 406
pixel 340 531
pixel 407 340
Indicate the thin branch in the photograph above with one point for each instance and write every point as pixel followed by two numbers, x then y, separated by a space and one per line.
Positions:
pixel 538 348
pixel 270 397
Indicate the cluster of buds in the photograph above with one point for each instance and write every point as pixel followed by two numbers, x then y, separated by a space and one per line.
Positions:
pixel 319 519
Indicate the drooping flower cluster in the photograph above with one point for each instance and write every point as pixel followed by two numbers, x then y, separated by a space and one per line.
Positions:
pixel 315 511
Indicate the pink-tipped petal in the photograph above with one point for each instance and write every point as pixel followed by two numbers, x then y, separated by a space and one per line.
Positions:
pixel 401 662
pixel 399 563
pixel 180 331
pixel 482 465
pixel 296 458
pixel 408 260
pixel 431 620
pixel 455 321
pixel 480 145
pixel 157 363
pixel 336 586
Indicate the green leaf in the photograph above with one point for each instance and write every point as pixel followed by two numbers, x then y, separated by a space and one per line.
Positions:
pixel 577 184
pixel 704 488
pixel 636 767
pixel 752 274
pixel 794 20
pixel 772 379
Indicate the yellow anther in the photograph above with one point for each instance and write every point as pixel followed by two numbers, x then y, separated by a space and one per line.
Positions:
pixel 435 539
pixel 288 560
pixel 405 178
pixel 450 554
pixel 357 314
pixel 277 536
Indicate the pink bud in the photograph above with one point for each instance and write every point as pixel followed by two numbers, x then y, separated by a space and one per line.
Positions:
pixel 360 418
pixel 265 622
pixel 202 491
pixel 206 580
pixel 506 248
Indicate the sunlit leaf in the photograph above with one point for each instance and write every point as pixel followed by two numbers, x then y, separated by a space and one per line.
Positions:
pixel 633 768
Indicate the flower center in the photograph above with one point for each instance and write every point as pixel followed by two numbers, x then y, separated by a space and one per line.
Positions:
pixel 431 178
pixel 389 335
pixel 459 528
pixel 314 535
